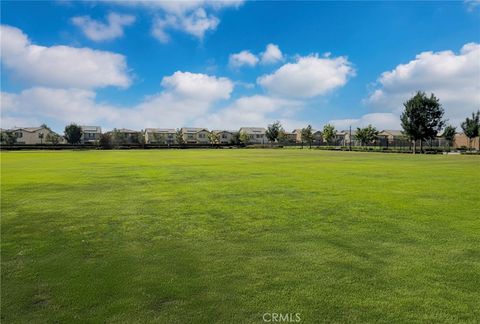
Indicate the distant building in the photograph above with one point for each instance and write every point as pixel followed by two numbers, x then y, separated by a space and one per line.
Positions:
pixel 461 140
pixel 225 136
pixel 31 135
pixel 90 134
pixel 124 136
pixel 195 135
pixel 255 134
pixel 160 136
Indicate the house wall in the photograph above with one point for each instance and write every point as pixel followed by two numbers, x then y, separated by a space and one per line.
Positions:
pixel 202 137
pixel 31 138
pixel 462 140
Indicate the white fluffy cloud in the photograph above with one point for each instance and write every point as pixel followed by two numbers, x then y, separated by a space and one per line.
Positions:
pixel 308 77
pixel 243 58
pixel 99 31
pixel 272 54
pixel 453 78
pixel 60 66
pixel 379 120
pixel 185 98
pixel 192 17
pixel 254 110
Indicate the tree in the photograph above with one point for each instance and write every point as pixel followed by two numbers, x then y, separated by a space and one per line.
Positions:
pixel 118 138
pixel 52 138
pixel 244 137
pixel 422 118
pixel 449 134
pixel 41 136
pixel 8 137
pixel 179 137
pixel 366 135
pixel 283 137
pixel 73 133
pixel 235 138
pixel 307 136
pixel 273 131
pixel 105 141
pixel 471 127
pixel 159 138
pixel 328 134
pixel 213 138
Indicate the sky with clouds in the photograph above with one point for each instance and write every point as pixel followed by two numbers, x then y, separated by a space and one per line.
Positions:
pixel 228 64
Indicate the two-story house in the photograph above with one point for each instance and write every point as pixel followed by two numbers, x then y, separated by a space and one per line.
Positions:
pixel 256 135
pixel 195 135
pixel 160 136
pixel 90 134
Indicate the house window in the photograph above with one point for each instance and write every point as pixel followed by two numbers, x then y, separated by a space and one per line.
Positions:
pixel 19 134
pixel 201 135
pixel 224 135
pixel 190 136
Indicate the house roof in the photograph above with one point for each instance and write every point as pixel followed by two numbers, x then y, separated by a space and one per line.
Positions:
pixel 217 131
pixel 96 129
pixel 193 129
pixel 160 130
pixel 27 129
pixel 253 129
pixel 391 132
pixel 126 130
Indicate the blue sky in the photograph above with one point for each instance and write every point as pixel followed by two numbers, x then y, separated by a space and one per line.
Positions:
pixel 173 64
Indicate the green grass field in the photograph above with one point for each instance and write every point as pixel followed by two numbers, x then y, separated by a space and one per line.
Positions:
pixel 205 236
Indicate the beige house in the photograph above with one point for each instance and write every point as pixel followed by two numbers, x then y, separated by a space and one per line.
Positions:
pixel 462 141
pixel 124 136
pixel 193 135
pixel 31 135
pixel 255 134
pixel 225 136
pixel 160 136
pixel 90 134
pixel 391 135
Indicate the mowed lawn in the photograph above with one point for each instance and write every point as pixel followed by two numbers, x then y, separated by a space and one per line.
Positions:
pixel 224 236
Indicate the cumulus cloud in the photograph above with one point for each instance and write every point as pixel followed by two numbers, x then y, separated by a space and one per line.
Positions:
pixel 60 66
pixel 309 76
pixel 379 120
pixel 254 110
pixel 243 58
pixel 99 31
pixel 185 98
pixel 272 54
pixel 191 17
pixel 453 78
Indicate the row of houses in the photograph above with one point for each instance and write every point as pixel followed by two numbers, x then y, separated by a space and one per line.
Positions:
pixel 195 135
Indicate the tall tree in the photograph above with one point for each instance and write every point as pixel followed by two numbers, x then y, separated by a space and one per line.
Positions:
pixel 471 127
pixel 244 137
pixel 73 133
pixel 52 138
pixel 8 138
pixel 449 134
pixel 328 133
pixel 105 141
pixel 41 136
pixel 179 137
pixel 307 136
pixel 366 135
pixel 213 138
pixel 273 131
pixel 422 118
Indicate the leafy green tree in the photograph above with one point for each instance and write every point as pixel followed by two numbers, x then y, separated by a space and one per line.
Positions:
pixel 213 138
pixel 471 127
pixel 307 136
pixel 422 118
pixel 449 134
pixel 159 138
pixel 118 138
pixel 366 135
pixel 52 138
pixel 273 131
pixel 179 137
pixel 73 133
pixel 244 138
pixel 8 138
pixel 235 138
pixel 328 134
pixel 105 141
